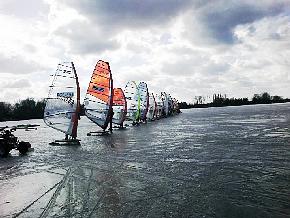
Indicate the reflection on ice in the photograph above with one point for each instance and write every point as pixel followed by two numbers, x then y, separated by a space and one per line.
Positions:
pixel 17 193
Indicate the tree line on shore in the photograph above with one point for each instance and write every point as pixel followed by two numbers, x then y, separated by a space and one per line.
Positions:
pixel 24 110
pixel 220 100
pixel 31 109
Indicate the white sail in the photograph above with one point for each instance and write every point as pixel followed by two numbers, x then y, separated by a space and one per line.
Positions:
pixel 152 111
pixel 159 103
pixel 144 100
pixel 133 101
pixel 62 104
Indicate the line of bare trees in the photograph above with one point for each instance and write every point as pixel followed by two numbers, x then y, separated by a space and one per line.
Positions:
pixel 221 100
pixel 22 110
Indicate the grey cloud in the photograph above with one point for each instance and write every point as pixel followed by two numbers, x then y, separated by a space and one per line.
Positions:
pixel 181 68
pixel 30 48
pixel 134 13
pixel 17 84
pixel 165 38
pixel 17 65
pixel 207 22
pixel 221 23
pixel 274 29
pixel 28 9
pixel 221 17
pixel 86 38
pixel 216 68
pixel 105 19
pixel 197 63
pixel 85 47
pixel 182 50
pixel 138 48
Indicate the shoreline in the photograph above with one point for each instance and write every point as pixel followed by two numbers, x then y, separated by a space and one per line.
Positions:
pixel 211 106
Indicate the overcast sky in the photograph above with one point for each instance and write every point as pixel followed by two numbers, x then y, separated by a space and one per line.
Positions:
pixel 182 47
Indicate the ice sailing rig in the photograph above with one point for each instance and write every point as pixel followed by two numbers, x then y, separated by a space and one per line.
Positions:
pixel 63 104
pixel 98 102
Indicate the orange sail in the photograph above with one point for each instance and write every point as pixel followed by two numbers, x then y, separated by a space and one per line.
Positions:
pixel 99 98
pixel 100 83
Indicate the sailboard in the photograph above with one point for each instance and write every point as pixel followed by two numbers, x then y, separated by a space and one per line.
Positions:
pixel 133 102
pixel 144 100
pixel 63 102
pixel 152 111
pixel 119 106
pixel 99 97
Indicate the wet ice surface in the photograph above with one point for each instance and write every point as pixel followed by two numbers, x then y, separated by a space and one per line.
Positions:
pixel 216 162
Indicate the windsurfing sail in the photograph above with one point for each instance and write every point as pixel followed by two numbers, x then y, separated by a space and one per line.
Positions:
pixel 119 106
pixel 164 97
pixel 133 101
pixel 63 102
pixel 99 97
pixel 159 103
pixel 152 111
pixel 144 100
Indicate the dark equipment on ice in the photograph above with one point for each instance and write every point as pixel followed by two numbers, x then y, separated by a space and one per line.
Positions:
pixel 8 141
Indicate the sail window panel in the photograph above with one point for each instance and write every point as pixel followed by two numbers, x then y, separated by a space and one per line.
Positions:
pixel 99 92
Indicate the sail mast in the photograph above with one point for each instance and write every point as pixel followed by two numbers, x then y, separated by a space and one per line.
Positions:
pixel 111 112
pixel 138 115
pixel 76 114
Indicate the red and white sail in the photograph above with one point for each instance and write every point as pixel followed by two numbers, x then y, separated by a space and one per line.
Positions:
pixel 119 106
pixel 98 101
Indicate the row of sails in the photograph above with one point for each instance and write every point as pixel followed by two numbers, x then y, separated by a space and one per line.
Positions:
pixel 103 103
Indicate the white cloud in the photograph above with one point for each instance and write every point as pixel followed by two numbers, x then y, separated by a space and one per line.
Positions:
pixel 17 84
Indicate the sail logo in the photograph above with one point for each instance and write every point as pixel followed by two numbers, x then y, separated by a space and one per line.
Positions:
pixel 99 89
pixel 65 94
pixel 66 97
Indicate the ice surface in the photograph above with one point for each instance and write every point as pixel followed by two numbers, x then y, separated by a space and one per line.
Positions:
pixel 216 162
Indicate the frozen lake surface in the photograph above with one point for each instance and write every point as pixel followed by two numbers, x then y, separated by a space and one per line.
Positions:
pixel 215 162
